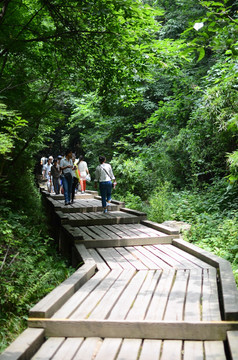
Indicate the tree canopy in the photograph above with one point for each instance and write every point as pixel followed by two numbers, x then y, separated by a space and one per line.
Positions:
pixel 128 78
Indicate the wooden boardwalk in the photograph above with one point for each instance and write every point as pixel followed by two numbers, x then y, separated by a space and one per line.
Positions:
pixel 141 292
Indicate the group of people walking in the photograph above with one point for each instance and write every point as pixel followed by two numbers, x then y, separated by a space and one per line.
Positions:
pixel 68 172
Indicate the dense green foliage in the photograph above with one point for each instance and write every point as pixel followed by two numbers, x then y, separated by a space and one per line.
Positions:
pixel 29 264
pixel 129 79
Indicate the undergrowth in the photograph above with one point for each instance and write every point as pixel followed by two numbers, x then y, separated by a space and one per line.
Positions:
pixel 212 213
pixel 30 266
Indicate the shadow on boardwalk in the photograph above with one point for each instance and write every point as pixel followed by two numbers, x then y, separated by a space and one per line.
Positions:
pixel 141 292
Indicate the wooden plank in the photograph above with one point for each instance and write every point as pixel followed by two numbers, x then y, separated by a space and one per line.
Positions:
pixel 87 306
pixel 109 349
pixel 125 231
pixel 193 350
pixel 214 350
pixel 145 251
pixel 182 264
pixel 176 300
pixel 25 345
pixel 163 228
pixel 101 264
pixel 178 330
pixel 140 214
pixel 85 255
pixel 98 233
pixel 192 310
pixel 162 264
pixel 129 257
pixel 141 303
pixel 49 348
pixel 150 350
pixel 95 243
pixel 172 349
pixel 125 302
pixel 120 259
pixel 68 349
pixel 229 291
pixel 57 297
pixel 106 254
pixel 90 234
pixel 210 300
pixel 75 300
pixel 108 229
pixel 129 349
pixel 232 337
pixel 138 255
pixel 115 217
pixel 104 307
pixel 160 252
pixel 160 298
pixel 89 349
pixel 192 261
pixel 146 230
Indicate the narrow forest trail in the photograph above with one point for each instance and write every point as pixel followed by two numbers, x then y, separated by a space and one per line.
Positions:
pixel 141 293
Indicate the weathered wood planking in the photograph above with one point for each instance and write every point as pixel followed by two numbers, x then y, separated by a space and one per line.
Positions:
pixel 25 345
pixel 57 297
pixel 131 259
pixel 232 337
pixel 101 265
pixel 148 252
pixel 175 306
pixel 89 304
pixel 214 350
pixel 75 300
pixel 210 301
pixel 160 251
pixel 89 349
pixel 107 255
pixel 150 350
pixel 96 218
pixel 172 349
pixel 114 235
pixel 140 256
pixel 161 227
pixel 160 298
pixel 193 350
pixel 190 260
pixel 193 302
pixel 228 286
pixel 68 349
pixel 109 349
pixel 114 259
pixel 104 307
pixel 143 299
pixel 129 349
pixel 168 330
pixel 124 303
pixel 78 195
pixel 82 206
pixel 49 348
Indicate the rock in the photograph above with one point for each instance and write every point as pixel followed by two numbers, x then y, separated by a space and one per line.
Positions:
pixel 178 225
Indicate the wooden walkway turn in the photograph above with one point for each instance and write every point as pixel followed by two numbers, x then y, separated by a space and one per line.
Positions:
pixel 141 292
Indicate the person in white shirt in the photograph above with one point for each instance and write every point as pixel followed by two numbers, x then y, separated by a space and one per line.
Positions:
pixel 66 166
pixel 83 171
pixel 104 175
pixel 46 172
